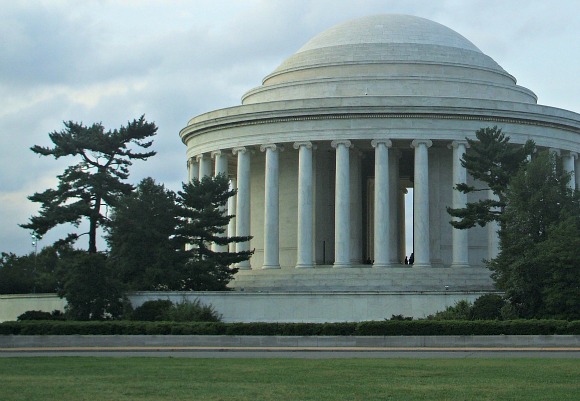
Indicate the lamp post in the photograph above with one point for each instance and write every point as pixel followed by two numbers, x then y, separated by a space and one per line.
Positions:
pixel 35 238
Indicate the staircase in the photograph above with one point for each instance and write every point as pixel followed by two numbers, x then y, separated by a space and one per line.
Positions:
pixel 363 279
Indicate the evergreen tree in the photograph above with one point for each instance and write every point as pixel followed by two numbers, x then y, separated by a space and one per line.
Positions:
pixel 202 223
pixel 29 273
pixel 141 239
pixel 89 286
pixel 95 180
pixel 537 266
pixel 492 161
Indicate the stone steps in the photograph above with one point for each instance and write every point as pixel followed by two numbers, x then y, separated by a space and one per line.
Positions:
pixel 363 279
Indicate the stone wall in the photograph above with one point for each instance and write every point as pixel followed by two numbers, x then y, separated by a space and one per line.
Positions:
pixel 317 307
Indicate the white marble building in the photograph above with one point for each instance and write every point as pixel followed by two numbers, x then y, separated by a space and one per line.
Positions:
pixel 324 150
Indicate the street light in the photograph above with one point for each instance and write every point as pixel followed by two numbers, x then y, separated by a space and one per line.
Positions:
pixel 35 238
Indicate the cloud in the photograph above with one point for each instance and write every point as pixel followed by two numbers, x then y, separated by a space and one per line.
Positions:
pixel 112 61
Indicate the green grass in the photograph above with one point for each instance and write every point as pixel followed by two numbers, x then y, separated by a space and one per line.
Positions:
pixel 88 378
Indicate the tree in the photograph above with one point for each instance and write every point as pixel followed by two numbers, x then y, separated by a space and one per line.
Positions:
pixel 29 273
pixel 537 266
pixel 89 286
pixel 141 240
pixel 491 160
pixel 202 223
pixel 94 181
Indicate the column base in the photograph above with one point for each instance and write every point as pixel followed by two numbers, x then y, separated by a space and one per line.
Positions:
pixel 271 267
pixel 342 265
pixel 459 265
pixel 303 266
pixel 382 265
pixel 421 265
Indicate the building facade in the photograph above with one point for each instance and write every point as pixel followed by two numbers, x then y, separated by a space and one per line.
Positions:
pixel 324 151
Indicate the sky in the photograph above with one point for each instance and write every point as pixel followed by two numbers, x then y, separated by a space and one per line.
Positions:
pixel 113 61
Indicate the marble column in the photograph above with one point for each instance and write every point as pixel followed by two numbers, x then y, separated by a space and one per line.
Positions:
pixel 192 169
pixel 421 244
pixel 492 233
pixel 232 212
pixel 569 164
pixel 271 208
pixel 402 240
pixel 577 170
pixel 221 167
pixel 342 204
pixel 460 250
pixel 221 162
pixel 382 240
pixel 243 203
pixel 205 169
pixel 305 250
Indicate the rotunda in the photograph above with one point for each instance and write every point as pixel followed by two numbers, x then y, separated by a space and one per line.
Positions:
pixel 324 151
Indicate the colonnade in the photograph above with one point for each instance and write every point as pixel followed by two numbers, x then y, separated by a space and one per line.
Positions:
pixel 240 205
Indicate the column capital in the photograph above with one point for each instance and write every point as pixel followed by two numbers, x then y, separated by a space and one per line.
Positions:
pixel 573 155
pixel 240 149
pixel 555 151
pixel 271 146
pixel 456 144
pixel 417 142
pixel 376 142
pixel 217 153
pixel 306 144
pixel 200 157
pixel 344 142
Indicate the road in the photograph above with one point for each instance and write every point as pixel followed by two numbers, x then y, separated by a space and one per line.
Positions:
pixel 292 352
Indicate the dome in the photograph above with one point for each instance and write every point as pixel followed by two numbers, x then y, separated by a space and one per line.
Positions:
pixel 389 55
pixel 389 28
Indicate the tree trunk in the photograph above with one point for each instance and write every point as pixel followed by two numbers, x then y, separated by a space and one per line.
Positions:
pixel 93 223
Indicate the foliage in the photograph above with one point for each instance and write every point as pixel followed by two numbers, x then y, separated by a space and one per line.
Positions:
pixel 202 223
pixel 492 161
pixel 538 266
pixel 41 315
pixel 165 310
pixel 29 273
pixel 374 328
pixel 460 311
pixel 193 312
pixel 559 255
pixel 89 286
pixel 141 238
pixel 487 307
pixel 400 317
pixel 94 181
pixel 152 311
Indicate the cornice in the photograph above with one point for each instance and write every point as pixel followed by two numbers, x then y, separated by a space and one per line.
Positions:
pixel 216 125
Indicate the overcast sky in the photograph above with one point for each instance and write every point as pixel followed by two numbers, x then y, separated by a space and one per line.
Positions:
pixel 112 61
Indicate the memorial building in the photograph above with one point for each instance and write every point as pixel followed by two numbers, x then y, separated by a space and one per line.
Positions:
pixel 325 150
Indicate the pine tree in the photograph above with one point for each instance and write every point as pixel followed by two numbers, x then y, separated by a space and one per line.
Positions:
pixel 202 223
pixel 141 238
pixel 492 161
pixel 537 266
pixel 94 181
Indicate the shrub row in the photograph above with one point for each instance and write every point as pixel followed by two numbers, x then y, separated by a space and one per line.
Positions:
pixel 374 328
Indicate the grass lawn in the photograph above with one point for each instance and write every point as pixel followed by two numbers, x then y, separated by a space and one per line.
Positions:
pixel 87 378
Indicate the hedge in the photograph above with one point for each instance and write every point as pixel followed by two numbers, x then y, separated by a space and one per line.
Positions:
pixel 374 328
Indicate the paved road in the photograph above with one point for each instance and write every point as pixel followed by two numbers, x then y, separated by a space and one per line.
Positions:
pixel 288 352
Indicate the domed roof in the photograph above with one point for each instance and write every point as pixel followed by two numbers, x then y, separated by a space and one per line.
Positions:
pixel 389 55
pixel 389 28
